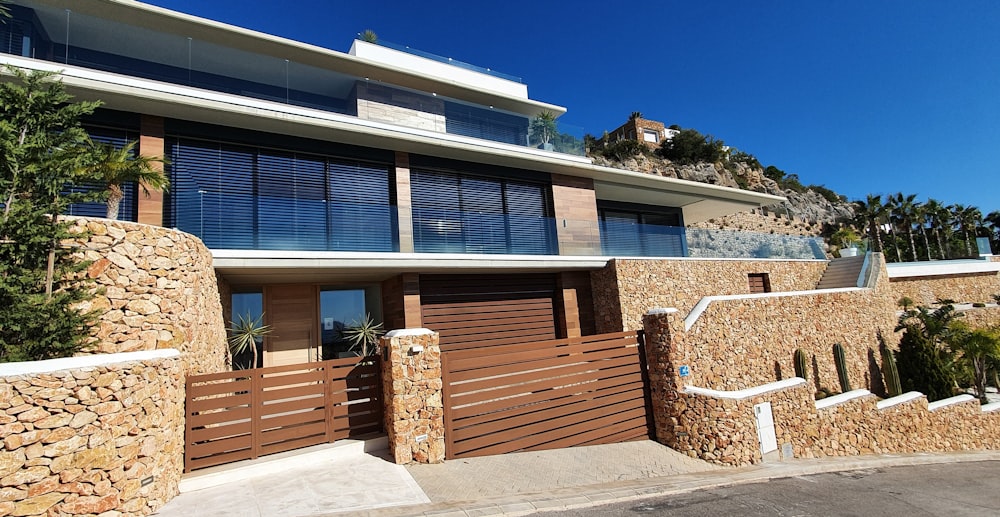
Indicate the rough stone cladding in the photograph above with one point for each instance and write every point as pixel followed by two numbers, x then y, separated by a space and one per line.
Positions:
pixel 760 221
pixel 627 288
pixel 723 430
pixel 632 130
pixel 411 389
pixel 83 441
pixel 960 288
pixel 981 317
pixel 156 289
pixel 385 104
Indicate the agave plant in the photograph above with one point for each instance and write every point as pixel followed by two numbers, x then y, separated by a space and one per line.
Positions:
pixel 362 336
pixel 246 333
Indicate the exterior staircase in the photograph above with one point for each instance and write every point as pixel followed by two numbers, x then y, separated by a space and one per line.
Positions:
pixel 842 272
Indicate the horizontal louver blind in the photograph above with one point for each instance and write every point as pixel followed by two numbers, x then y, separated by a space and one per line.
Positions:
pixel 454 213
pixel 240 197
pixel 128 210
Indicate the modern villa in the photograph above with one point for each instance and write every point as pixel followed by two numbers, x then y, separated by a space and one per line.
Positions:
pixel 380 181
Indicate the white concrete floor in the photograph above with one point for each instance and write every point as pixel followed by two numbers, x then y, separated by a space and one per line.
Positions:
pixel 319 485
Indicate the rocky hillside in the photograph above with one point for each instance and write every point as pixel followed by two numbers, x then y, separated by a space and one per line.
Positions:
pixel 808 205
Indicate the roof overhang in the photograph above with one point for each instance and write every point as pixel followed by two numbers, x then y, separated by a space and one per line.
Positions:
pixel 162 20
pixel 699 201
pixel 243 267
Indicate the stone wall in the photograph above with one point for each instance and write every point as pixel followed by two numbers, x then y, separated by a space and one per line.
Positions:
pixel 103 435
pixel 411 388
pixel 157 289
pixel 970 288
pixel 760 220
pixel 626 288
pixel 722 428
pixel 385 104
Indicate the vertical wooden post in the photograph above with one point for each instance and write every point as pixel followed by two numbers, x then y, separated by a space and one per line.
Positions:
pixel 328 399
pixel 256 412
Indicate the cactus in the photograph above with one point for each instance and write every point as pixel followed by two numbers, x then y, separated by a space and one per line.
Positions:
pixel 841 361
pixel 890 373
pixel 801 364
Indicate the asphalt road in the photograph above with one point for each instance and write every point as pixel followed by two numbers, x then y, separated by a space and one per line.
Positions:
pixel 951 489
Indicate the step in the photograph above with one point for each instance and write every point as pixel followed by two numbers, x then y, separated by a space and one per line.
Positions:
pixel 276 463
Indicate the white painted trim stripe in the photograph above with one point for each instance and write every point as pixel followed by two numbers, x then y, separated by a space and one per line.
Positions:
pixel 841 398
pixel 958 399
pixel 703 304
pixel 899 399
pixel 83 361
pixel 747 392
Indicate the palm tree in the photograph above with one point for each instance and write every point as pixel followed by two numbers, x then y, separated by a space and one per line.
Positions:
pixel 116 166
pixel 966 218
pixel 869 212
pixel 920 216
pixel 893 213
pixel 937 216
pixel 904 208
pixel 993 219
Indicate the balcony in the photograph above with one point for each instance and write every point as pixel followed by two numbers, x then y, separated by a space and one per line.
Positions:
pixel 67 37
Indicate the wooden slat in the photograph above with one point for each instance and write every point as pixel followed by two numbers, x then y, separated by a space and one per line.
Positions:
pixel 219 417
pixel 548 394
pixel 249 413
pixel 217 432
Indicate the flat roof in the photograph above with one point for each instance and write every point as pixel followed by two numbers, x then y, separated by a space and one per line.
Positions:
pixel 161 20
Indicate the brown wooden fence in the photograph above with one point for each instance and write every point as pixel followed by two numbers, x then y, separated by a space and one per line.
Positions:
pixel 245 414
pixel 547 395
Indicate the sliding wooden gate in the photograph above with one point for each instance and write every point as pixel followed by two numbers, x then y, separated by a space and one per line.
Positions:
pixel 545 395
pixel 244 414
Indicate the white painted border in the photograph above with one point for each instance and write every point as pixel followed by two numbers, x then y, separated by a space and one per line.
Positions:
pixel 841 398
pixel 408 332
pixel 941 268
pixel 703 304
pixel 899 399
pixel 83 361
pixel 958 399
pixel 746 392
pixel 988 408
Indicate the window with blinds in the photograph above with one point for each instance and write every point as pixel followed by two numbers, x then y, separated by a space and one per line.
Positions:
pixel 245 197
pixel 459 213
pixel 636 230
pixel 129 209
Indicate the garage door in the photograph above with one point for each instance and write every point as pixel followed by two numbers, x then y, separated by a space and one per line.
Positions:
pixel 488 310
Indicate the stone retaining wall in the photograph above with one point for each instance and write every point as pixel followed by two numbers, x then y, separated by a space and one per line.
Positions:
pixel 626 288
pixel 157 290
pixel 971 288
pixel 723 430
pixel 86 440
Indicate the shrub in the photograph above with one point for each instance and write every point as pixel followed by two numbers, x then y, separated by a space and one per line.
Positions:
pixel 923 366
pixel 623 149
pixel 689 146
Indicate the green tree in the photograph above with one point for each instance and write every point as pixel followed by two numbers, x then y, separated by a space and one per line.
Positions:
pixel 41 154
pixel 689 146
pixel 937 216
pixel 542 129
pixel 115 166
pixel 978 349
pixel 924 361
pixel 869 214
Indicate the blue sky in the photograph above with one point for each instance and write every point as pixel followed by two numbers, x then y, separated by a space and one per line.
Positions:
pixel 861 96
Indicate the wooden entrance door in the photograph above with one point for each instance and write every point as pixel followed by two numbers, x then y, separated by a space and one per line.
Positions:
pixel 291 312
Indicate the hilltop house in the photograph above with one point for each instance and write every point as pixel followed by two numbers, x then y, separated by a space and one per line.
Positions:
pixel 649 132
pixel 329 185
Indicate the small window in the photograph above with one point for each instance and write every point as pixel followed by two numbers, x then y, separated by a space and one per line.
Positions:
pixel 759 283
pixel 650 136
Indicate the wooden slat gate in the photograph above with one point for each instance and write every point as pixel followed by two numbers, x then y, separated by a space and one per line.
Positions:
pixel 245 414
pixel 546 395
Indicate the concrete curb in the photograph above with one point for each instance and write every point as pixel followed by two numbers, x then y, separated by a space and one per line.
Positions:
pixel 606 493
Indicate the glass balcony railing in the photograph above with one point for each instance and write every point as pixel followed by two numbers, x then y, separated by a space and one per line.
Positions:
pixel 448 60
pixel 77 39
pixel 455 231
